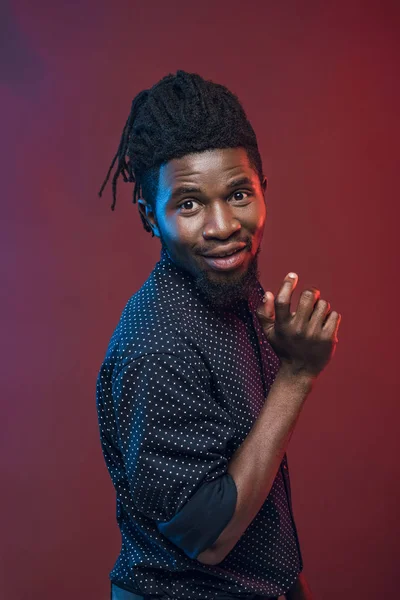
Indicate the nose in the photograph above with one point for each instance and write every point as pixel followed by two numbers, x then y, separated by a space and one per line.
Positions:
pixel 220 221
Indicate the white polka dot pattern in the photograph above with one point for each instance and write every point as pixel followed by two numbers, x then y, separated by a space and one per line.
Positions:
pixel 179 390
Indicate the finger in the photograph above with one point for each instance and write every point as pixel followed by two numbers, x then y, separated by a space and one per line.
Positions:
pixel 321 309
pixel 307 301
pixel 283 298
pixel 331 325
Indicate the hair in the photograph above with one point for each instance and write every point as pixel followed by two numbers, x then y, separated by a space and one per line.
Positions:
pixel 181 114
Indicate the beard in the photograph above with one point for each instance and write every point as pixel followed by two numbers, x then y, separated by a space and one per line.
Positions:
pixel 226 293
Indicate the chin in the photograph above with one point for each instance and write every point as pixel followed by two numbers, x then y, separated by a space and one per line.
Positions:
pixel 223 289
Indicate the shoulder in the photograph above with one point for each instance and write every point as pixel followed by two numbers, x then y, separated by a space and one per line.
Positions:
pixel 154 329
pixel 164 317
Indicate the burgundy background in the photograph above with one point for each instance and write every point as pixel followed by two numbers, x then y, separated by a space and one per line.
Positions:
pixel 320 84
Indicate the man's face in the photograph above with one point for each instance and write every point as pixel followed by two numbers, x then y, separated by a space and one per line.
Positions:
pixel 207 202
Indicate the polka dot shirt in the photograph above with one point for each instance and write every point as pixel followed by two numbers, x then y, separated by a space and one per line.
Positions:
pixel 179 389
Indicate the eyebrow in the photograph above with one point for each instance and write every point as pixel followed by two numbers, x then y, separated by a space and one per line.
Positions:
pixel 190 189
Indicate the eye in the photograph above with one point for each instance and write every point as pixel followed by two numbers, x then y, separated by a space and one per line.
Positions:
pixel 241 193
pixel 182 204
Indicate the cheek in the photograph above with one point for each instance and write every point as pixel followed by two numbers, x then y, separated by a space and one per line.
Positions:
pixel 262 217
pixel 256 219
pixel 176 230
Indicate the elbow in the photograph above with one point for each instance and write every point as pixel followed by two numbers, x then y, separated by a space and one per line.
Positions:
pixel 209 556
pixel 216 553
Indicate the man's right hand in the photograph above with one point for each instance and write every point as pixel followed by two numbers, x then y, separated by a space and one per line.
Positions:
pixel 306 339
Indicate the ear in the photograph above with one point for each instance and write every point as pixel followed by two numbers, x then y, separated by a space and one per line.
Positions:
pixel 146 210
pixel 264 184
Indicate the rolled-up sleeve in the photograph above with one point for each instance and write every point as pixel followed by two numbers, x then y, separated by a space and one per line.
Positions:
pixel 173 438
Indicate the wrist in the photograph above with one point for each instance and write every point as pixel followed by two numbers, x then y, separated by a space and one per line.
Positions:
pixel 296 375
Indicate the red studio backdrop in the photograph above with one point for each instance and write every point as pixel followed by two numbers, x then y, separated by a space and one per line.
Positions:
pixel 319 82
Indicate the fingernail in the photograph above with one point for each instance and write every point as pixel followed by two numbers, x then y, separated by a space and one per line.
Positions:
pixel 292 275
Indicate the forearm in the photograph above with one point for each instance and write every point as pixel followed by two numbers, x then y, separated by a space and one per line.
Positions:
pixel 300 590
pixel 255 463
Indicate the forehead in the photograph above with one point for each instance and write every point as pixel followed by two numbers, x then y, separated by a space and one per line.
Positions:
pixel 207 166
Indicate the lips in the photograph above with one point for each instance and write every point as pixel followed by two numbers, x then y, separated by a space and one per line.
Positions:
pixel 226 262
pixel 225 251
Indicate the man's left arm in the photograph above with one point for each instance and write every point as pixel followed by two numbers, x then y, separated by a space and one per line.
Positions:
pixel 300 590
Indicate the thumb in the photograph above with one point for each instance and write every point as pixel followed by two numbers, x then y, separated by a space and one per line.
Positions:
pixel 266 309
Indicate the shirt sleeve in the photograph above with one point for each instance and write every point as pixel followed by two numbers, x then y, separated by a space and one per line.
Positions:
pixel 173 437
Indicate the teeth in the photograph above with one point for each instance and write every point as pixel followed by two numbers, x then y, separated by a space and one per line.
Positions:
pixel 225 255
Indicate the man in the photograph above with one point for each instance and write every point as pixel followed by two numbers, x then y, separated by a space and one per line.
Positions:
pixel 205 375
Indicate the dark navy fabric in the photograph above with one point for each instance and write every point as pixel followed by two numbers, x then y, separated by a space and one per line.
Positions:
pixel 117 593
pixel 198 524
pixel 180 387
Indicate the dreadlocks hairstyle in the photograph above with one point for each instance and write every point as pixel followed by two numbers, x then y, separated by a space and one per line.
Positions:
pixel 181 114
